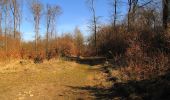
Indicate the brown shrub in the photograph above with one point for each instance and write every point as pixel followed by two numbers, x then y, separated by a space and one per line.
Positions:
pixel 65 46
pixel 146 68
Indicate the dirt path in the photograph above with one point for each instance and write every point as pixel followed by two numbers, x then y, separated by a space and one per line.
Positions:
pixel 54 80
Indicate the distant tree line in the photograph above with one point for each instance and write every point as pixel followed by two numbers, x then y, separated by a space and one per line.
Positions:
pixel 142 26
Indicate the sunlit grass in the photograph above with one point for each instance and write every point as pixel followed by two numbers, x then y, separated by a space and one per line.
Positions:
pixel 49 79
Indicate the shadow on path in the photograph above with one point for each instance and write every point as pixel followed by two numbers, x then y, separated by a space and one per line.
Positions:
pixel 153 89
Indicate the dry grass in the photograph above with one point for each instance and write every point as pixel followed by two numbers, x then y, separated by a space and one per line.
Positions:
pixel 48 81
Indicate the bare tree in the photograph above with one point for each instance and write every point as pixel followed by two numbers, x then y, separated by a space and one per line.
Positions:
pixel 14 9
pixel 6 10
pixel 51 14
pixel 36 8
pixel 19 19
pixel 165 13
pixel 115 2
pixel 94 21
pixel 1 15
pixel 115 12
pixel 132 4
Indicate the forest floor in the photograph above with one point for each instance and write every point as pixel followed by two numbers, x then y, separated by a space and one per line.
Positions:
pixel 63 80
pixel 53 80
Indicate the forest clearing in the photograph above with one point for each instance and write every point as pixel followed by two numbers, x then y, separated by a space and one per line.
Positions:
pixel 48 81
pixel 84 50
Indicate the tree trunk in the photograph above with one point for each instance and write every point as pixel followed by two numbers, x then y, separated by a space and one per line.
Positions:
pixel 165 14
pixel 115 13
pixel 95 27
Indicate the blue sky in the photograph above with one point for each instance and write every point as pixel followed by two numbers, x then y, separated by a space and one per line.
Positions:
pixel 74 13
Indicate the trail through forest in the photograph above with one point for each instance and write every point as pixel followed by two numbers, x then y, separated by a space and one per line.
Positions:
pixel 48 81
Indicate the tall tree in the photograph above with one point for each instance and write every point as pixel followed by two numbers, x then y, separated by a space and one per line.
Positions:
pixel 1 15
pixel 51 13
pixel 6 10
pixel 94 21
pixel 115 3
pixel 36 8
pixel 132 5
pixel 14 5
pixel 20 15
pixel 165 13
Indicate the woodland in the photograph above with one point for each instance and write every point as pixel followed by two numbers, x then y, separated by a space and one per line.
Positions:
pixel 126 59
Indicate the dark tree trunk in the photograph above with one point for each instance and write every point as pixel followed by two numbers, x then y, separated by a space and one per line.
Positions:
pixel 165 14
